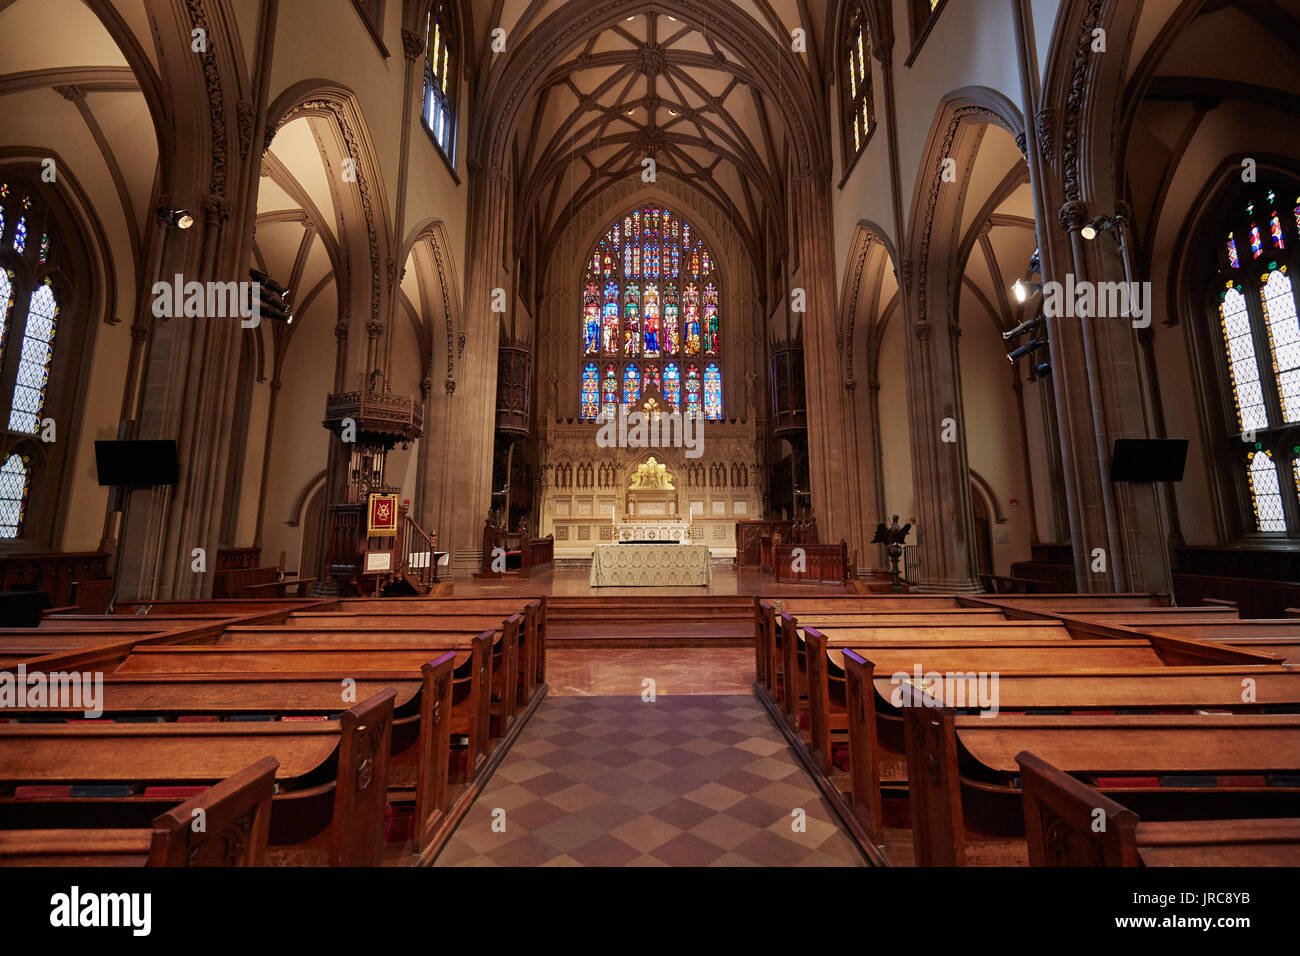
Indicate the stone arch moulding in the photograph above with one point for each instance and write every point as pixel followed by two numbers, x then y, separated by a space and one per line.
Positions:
pixel 985 489
pixel 300 503
pixel 930 202
pixel 369 201
pixel 867 237
pixel 431 236
pixel 766 61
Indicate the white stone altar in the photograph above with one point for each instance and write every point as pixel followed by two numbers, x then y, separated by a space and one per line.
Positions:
pixel 650 566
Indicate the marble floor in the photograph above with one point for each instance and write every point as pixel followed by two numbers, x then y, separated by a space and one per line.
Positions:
pixel 688 780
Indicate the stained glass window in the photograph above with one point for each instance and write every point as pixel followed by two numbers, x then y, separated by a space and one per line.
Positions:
pixel 6 306
pixel 693 404
pixel 34 365
pixel 1278 296
pixel 590 391
pixel 1242 365
pixel 712 393
pixel 859 115
pixel 1265 492
pixel 631 385
pixel 659 299
pixel 609 392
pixel 591 319
pixel 440 86
pixel 672 385
pixel 15 481
pixel 1261 339
pixel 20 236
pixel 45 249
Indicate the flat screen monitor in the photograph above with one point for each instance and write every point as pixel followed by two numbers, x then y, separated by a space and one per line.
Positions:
pixel 1144 460
pixel 137 464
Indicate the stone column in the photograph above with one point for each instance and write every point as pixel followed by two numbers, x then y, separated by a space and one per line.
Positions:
pixel 473 403
pixel 830 464
pixel 940 466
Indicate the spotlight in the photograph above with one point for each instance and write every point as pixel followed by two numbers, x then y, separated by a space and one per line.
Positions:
pixel 1026 326
pixel 1092 229
pixel 1024 291
pixel 1026 349
pixel 175 218
pixel 1036 265
pixel 1043 370
pixel 273 298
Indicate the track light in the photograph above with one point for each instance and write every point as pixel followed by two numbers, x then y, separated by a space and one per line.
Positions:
pixel 175 218
pixel 1026 349
pixel 1024 291
pixel 1092 229
pixel 1026 326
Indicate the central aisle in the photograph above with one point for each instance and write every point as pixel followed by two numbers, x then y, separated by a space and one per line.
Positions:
pixel 693 780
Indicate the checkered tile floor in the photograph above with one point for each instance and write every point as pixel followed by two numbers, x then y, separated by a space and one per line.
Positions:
pixel 615 781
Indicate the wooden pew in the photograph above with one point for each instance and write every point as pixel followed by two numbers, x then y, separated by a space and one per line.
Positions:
pixel 1060 829
pixel 507 672
pixel 1032 674
pixel 225 607
pixel 329 809
pixel 530 638
pixel 419 765
pixel 471 681
pixel 277 588
pixel 1027 604
pixel 966 806
pixel 236 815
pixel 465 605
pixel 1279 637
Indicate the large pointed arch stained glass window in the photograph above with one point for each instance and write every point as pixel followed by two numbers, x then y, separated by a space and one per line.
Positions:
pixel 651 297
pixel 15 482
pixel 1260 336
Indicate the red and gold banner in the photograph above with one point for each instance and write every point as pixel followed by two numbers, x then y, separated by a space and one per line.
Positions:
pixel 382 516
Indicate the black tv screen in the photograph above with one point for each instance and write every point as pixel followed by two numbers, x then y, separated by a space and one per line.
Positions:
pixel 1141 460
pixel 137 464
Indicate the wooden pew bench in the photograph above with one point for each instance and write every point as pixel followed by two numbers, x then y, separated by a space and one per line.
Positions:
pixel 967 807
pixel 1060 829
pixel 329 808
pixel 471 702
pixel 510 673
pixel 419 766
pixel 236 816
pixel 278 588
pixel 1280 637
pixel 876 751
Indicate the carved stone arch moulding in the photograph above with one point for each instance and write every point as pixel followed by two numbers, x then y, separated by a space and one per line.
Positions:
pixel 866 237
pixel 340 106
pixel 978 105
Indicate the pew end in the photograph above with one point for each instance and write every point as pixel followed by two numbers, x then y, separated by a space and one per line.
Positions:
pixel 1061 820
pixel 236 814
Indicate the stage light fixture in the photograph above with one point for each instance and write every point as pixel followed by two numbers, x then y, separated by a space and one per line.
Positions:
pixel 1091 230
pixel 273 298
pixel 1024 291
pixel 1026 326
pixel 1043 370
pixel 175 218
pixel 1026 349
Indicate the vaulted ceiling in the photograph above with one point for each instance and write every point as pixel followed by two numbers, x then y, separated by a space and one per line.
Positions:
pixel 655 85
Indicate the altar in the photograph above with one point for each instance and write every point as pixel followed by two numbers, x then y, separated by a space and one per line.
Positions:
pixel 650 566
